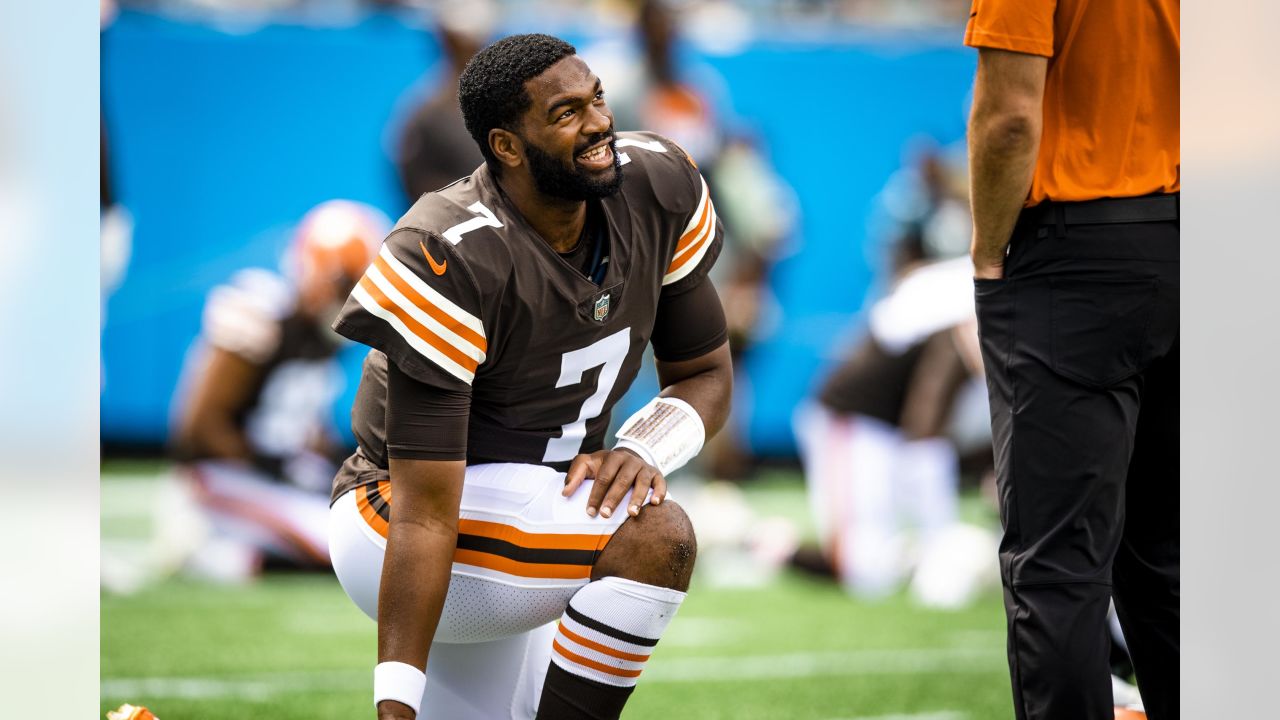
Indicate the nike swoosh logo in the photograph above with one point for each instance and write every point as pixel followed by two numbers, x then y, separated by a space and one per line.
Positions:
pixel 437 268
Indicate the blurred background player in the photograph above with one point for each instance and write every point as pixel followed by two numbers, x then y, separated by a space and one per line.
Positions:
pixel 253 432
pixel 654 86
pixel 881 439
pixel 878 450
pixel 923 208
pixel 434 148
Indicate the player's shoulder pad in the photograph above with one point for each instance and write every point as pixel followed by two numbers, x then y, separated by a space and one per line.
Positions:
pixel 420 303
pixel 657 166
pixel 256 291
pixel 456 223
pixel 244 315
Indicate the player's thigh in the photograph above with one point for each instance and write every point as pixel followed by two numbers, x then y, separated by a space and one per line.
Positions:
pixel 356 550
pixel 523 550
pixel 499 586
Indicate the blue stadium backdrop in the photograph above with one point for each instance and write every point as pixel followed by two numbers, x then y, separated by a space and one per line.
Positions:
pixel 222 136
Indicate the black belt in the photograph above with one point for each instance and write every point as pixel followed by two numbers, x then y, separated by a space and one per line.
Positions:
pixel 1105 211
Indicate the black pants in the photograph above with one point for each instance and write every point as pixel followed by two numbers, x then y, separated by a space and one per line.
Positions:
pixel 1080 343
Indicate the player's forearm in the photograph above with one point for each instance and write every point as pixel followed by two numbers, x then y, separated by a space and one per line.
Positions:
pixel 706 383
pixel 1002 157
pixel 421 539
pixel 217 397
pixel 415 579
pixel 1004 140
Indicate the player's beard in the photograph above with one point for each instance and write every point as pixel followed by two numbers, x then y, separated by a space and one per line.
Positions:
pixel 551 177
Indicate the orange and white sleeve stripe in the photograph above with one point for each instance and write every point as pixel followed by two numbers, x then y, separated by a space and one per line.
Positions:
pixel 694 240
pixel 430 323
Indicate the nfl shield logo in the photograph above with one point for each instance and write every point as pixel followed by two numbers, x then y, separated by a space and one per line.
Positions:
pixel 602 308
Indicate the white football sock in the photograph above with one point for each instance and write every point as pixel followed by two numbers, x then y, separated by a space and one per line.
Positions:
pixel 610 628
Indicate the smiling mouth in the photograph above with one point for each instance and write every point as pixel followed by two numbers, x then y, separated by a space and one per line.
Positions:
pixel 598 157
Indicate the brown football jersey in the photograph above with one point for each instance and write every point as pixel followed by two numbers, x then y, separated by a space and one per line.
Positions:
pixel 465 294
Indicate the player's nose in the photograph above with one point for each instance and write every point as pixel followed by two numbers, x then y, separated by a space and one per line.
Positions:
pixel 599 119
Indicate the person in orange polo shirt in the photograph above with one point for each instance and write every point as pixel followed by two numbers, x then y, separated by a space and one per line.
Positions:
pixel 1073 146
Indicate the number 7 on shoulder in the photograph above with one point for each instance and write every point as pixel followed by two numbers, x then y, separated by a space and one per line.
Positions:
pixel 486 219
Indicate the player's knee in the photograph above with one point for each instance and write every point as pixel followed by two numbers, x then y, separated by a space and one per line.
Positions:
pixel 658 547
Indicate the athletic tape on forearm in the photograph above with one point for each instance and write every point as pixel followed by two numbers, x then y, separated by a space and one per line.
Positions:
pixel 400 682
pixel 666 433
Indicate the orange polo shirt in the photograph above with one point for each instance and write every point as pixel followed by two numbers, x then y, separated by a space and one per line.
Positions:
pixel 1110 96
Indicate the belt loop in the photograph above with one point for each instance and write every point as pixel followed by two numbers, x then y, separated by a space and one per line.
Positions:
pixel 1060 220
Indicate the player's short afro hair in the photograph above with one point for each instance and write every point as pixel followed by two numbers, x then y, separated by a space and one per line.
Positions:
pixel 491 88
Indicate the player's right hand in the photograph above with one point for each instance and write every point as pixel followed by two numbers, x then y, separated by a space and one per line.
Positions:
pixel 615 472
pixel 392 710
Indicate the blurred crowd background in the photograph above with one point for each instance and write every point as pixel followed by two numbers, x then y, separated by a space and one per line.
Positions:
pixel 906 13
pixel 225 121
pixel 254 151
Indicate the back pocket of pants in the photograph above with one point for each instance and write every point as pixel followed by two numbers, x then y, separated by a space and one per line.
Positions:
pixel 1099 328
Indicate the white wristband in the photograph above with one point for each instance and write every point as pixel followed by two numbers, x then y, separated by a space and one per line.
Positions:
pixel 666 433
pixel 398 681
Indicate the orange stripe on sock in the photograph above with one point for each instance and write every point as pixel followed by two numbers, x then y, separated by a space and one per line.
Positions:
pixel 587 662
pixel 600 647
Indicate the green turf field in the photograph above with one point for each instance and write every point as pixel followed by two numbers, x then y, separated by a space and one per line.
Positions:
pixel 292 646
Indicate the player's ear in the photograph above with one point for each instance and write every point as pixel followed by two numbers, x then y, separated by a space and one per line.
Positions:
pixel 507 147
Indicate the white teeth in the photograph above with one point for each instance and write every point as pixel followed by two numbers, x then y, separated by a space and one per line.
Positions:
pixel 596 154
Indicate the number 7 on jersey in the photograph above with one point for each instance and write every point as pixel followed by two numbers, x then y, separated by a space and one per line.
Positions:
pixel 610 352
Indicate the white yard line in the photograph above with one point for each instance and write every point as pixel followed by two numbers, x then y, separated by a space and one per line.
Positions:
pixel 245 687
pixel 669 670
pixel 942 715
pixel 825 664
pixel 702 632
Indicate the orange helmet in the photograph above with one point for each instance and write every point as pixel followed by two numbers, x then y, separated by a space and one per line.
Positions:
pixel 338 236
pixel 131 712
pixel 333 245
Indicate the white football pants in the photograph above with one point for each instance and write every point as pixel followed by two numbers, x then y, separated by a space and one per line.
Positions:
pixel 523 551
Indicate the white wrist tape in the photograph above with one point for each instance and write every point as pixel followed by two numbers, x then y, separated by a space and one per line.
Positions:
pixel 666 433
pixel 398 681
